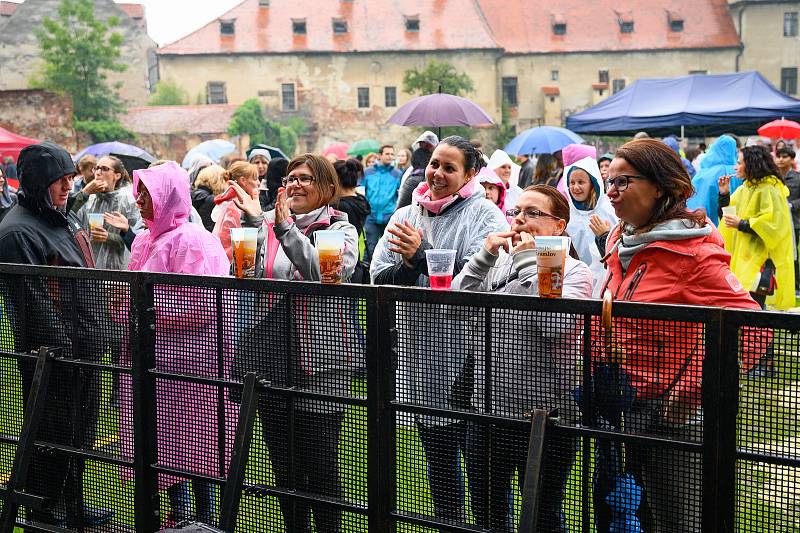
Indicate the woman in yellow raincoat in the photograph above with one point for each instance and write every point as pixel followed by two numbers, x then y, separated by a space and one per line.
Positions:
pixel 759 235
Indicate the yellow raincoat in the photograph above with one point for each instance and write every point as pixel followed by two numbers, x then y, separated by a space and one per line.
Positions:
pixel 765 206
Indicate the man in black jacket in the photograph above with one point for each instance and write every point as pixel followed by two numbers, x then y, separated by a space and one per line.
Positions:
pixel 59 313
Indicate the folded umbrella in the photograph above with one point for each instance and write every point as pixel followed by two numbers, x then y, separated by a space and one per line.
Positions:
pixel 542 140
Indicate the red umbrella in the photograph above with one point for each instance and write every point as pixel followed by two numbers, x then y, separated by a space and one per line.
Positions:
pixel 780 129
pixel 338 149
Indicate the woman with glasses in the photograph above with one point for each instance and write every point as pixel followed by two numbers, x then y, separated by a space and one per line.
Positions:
pixel 448 210
pixel 534 361
pixel 323 351
pixel 662 252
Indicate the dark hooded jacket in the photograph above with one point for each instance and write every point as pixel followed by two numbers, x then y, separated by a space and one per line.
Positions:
pixel 35 233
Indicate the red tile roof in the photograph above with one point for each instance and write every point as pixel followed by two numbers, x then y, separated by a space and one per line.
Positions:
pixel 192 119
pixel 7 8
pixel 521 26
pixel 373 25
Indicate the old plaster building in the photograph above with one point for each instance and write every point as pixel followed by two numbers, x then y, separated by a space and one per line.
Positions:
pixel 340 63
pixel 19 50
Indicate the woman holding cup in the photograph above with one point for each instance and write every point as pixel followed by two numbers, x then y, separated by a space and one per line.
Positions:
pixel 324 355
pixel 448 211
pixel 533 365
pixel 227 215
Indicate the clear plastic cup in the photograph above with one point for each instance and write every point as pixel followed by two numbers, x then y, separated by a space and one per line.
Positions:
pixel 551 255
pixel 330 247
pixel 729 210
pixel 244 242
pixel 96 220
pixel 440 268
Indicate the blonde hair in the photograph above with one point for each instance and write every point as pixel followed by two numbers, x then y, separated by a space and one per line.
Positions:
pixel 212 178
pixel 241 169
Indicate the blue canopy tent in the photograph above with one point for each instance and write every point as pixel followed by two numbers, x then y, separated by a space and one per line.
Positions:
pixel 704 105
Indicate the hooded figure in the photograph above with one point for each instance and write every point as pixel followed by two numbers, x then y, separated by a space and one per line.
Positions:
pixel 172 244
pixel 570 154
pixel 583 239
pixel 672 142
pixel 57 312
pixel 500 158
pixel 487 175
pixel 720 160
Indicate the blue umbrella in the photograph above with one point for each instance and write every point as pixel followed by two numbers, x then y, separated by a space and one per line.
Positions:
pixel 115 148
pixel 542 140
pixel 214 150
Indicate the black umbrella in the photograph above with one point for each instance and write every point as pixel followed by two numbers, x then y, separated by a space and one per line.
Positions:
pixel 132 162
pixel 273 151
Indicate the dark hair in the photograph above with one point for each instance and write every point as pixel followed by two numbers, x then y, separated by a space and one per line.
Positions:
pixel 692 153
pixel 758 164
pixel 473 158
pixel 786 150
pixel 349 171
pixel 276 170
pixel 326 182
pixel 662 166
pixel 118 168
pixel 384 147
pixel 420 158
pixel 546 165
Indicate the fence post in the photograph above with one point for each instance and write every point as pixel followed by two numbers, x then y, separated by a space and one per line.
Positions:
pixel 728 415
pixel 142 325
pixel 381 346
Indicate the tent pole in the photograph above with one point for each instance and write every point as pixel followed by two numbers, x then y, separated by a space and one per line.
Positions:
pixel 682 131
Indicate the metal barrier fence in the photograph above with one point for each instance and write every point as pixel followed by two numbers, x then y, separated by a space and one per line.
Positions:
pixel 385 408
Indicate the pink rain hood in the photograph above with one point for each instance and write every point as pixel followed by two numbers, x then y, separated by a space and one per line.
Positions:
pixel 570 154
pixel 171 243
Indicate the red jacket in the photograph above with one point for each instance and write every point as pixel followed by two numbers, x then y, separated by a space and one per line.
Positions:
pixel 694 271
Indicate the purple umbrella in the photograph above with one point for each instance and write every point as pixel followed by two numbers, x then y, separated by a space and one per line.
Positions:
pixel 115 148
pixel 439 110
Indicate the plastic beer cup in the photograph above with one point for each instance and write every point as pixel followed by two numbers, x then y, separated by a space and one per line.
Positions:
pixel 95 220
pixel 244 242
pixel 330 247
pixel 551 255
pixel 729 210
pixel 440 268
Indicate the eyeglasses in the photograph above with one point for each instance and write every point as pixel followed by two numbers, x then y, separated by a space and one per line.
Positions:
pixel 621 182
pixel 530 213
pixel 303 179
pixel 103 169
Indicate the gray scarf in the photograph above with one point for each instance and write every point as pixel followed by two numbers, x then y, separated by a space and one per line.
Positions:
pixel 677 229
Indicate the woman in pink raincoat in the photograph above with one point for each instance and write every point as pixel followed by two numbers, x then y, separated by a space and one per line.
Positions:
pixel 186 412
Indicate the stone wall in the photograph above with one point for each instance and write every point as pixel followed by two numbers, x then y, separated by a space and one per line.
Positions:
pixel 39 114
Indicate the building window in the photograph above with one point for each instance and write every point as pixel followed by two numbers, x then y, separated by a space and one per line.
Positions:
pixel 617 85
pixel 698 72
pixel 390 96
pixel 226 27
pixel 676 25
pixel 363 97
pixel 299 26
pixel 554 75
pixel 560 28
pixel 510 91
pixel 789 80
pixel 263 3
pixel 602 76
pixel 215 93
pixel 288 101
pixel 412 23
pixel 790 24
pixel 339 26
pixel 626 26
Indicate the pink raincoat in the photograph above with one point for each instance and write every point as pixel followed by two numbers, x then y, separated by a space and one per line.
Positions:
pixel 185 328
pixel 570 154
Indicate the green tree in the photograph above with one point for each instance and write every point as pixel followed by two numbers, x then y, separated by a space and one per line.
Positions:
pixel 249 118
pixel 78 51
pixel 434 75
pixel 168 93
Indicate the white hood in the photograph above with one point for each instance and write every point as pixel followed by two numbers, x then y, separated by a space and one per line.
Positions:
pixel 500 158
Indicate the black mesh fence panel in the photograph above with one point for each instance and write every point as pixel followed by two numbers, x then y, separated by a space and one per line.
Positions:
pixel 768 470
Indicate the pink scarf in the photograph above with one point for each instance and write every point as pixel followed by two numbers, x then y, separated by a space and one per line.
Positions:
pixel 422 196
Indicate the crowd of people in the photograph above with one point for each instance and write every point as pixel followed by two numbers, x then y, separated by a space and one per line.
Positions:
pixel 649 222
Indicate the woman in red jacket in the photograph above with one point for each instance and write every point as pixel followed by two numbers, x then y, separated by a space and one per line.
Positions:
pixel 662 252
